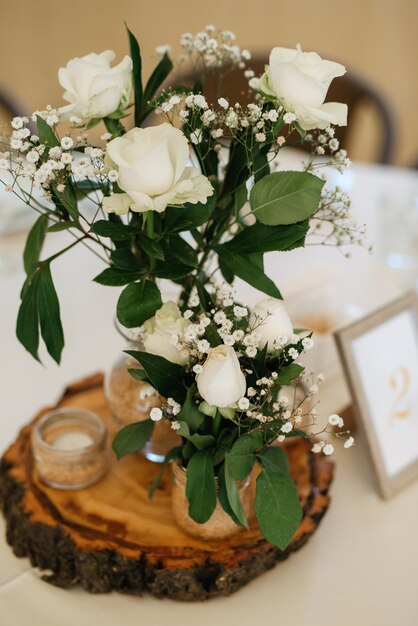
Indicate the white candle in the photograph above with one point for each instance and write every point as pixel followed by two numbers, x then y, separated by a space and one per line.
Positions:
pixel 72 441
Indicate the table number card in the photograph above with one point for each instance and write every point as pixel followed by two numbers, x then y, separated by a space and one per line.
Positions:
pixel 380 357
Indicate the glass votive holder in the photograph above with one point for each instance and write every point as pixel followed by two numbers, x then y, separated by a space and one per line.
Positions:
pixel 70 448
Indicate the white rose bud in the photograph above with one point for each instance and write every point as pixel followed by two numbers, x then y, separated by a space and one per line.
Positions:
pixel 152 167
pixel 300 81
pixel 270 320
pixel 221 382
pixel 159 329
pixel 93 88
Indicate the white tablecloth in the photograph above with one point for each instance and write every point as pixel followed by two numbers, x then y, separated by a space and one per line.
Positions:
pixel 360 568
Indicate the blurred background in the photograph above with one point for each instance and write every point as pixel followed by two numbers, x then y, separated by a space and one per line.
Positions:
pixel 375 39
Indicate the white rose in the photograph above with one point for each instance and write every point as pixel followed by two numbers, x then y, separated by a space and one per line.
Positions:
pixel 300 81
pixel 152 167
pixel 270 321
pixel 221 382
pixel 159 329
pixel 93 88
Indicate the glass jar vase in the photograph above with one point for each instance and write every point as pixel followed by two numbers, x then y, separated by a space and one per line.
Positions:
pixel 131 400
pixel 220 525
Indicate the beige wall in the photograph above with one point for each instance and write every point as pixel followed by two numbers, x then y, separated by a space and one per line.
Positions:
pixel 376 38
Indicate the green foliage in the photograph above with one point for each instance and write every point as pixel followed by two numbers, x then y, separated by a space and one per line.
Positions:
pixel 189 413
pixel 261 238
pixel 39 310
pixel 240 265
pixel 136 75
pixel 201 486
pixel 242 455
pixel 115 277
pixel 165 376
pixel 199 441
pixel 172 454
pixel 289 373
pixel 68 200
pixel 45 133
pixel 276 505
pixel 189 216
pixel 156 79
pixel 232 493
pixel 286 197
pixel 137 303
pixel 132 438
pixel 114 230
pixel 34 243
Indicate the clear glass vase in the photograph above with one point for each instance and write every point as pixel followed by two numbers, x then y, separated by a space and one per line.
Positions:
pixel 220 525
pixel 131 400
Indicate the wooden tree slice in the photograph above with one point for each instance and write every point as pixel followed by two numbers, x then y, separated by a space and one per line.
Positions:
pixel 110 537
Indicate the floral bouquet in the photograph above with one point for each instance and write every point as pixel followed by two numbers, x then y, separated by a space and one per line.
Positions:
pixel 192 198
pixel 222 373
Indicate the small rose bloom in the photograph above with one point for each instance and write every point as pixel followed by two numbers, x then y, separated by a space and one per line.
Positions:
pixel 93 88
pixel 270 320
pixel 152 164
pixel 221 382
pixel 300 81
pixel 158 331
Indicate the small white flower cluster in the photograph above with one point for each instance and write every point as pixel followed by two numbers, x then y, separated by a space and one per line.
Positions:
pixel 221 119
pixel 230 320
pixel 214 48
pixel 333 223
pixel 49 167
pixel 334 420
pixel 170 410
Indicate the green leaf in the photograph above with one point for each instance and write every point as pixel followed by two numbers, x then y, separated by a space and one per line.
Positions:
pixel 49 314
pixel 240 198
pixel 223 495
pixel 233 494
pixel 59 226
pixel 88 184
pixel 45 133
pixel 261 238
pixel 241 457
pixel 34 243
pixel 174 453
pixel 205 298
pixel 94 121
pixel 140 375
pixel 199 441
pixel 201 486
pixel 250 273
pixel 113 230
pixel 136 75
pixel 286 197
pixel 137 303
pixel 165 376
pixel 125 259
pixel 27 326
pixel 151 248
pixel 212 335
pixel 171 269
pixel 157 78
pixel 132 438
pixel 190 215
pixel 288 373
pixel 181 250
pixel 274 459
pixel 277 507
pixel 68 200
pixel 189 413
pixel 115 277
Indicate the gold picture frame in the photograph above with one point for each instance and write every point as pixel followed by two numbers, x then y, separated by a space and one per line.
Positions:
pixel 376 377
